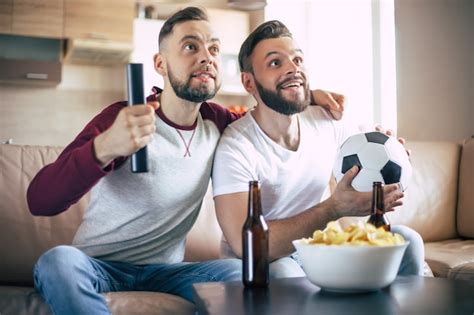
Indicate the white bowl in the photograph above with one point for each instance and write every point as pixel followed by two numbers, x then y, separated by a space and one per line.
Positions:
pixel 350 268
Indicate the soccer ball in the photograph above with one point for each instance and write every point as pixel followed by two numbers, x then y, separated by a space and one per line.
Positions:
pixel 380 158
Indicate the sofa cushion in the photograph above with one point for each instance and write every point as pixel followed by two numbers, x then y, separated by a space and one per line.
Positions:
pixel 466 191
pixel 25 237
pixel 431 197
pixel 452 258
pixel 130 303
pixel 25 300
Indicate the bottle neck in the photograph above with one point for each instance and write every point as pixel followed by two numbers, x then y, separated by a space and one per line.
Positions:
pixel 378 206
pixel 255 204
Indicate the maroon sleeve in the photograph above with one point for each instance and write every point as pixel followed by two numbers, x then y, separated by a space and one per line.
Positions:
pixel 221 116
pixel 60 184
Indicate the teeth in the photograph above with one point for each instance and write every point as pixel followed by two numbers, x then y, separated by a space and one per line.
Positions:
pixel 292 84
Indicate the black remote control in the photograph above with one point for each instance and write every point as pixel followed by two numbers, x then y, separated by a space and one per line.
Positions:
pixel 136 96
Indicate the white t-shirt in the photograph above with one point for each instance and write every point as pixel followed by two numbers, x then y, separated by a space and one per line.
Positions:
pixel 291 181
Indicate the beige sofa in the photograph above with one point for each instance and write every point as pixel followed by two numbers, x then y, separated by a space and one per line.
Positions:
pixel 439 204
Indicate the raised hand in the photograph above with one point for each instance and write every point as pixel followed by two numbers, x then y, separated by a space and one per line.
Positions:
pixel 132 129
pixel 390 132
pixel 334 103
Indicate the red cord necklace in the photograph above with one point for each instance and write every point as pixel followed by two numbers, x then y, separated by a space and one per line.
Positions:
pixel 186 145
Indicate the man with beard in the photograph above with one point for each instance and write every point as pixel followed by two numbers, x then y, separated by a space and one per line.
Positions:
pixel 290 148
pixel 133 232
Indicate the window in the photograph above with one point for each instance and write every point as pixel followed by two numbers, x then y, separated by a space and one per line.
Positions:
pixel 350 48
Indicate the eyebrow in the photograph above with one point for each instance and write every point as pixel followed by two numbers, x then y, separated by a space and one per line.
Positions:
pixel 277 53
pixel 196 38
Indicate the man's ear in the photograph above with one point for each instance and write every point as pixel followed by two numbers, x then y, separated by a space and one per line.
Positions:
pixel 248 82
pixel 160 64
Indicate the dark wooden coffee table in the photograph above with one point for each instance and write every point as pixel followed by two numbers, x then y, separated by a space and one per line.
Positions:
pixel 406 295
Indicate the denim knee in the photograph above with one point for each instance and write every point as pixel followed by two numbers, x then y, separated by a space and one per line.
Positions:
pixel 57 264
pixel 414 257
pixel 285 267
pixel 230 269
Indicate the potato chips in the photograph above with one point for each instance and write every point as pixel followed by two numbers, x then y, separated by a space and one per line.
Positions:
pixel 357 234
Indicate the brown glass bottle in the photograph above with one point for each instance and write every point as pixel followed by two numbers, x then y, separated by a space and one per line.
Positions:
pixel 378 217
pixel 255 262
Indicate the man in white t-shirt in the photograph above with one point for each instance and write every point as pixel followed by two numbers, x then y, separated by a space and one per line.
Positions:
pixel 290 147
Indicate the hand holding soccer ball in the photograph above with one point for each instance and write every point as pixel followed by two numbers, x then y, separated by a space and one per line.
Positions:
pixel 379 158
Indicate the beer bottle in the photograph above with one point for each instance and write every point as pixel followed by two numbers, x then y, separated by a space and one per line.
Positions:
pixel 255 262
pixel 378 217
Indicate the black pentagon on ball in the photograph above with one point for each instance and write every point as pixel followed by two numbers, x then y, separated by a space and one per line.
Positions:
pixel 349 161
pixel 391 173
pixel 376 137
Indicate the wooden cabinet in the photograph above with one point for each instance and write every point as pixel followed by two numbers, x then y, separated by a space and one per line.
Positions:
pixel 30 72
pixel 6 10
pixel 31 60
pixel 99 19
pixel 84 19
pixel 43 18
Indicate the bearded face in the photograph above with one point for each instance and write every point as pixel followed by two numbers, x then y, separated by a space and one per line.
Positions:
pixel 196 92
pixel 291 96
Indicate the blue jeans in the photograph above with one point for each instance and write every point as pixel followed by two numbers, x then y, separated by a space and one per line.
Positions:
pixel 412 261
pixel 72 282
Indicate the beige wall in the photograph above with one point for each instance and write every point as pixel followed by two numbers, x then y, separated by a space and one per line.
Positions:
pixel 55 115
pixel 435 69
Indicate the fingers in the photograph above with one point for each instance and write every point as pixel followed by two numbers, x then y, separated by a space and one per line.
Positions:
pixel 143 131
pixel 141 136
pixel 335 114
pixel 390 188
pixel 333 104
pixel 393 197
pixel 140 142
pixel 388 132
pixel 392 206
pixel 140 121
pixel 349 176
pixel 138 110
pixel 336 105
pixel 155 105
pixel 340 99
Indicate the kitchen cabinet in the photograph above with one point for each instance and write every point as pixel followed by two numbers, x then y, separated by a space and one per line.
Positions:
pixel 99 19
pixel 30 60
pixel 231 26
pixel 43 18
pixel 6 7
pixel 30 72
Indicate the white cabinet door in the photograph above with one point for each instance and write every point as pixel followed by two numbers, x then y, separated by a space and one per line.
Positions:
pixel 145 42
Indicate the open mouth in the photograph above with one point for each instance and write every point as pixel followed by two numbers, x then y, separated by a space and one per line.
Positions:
pixel 291 84
pixel 203 75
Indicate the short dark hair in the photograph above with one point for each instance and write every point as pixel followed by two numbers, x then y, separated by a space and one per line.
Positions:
pixel 270 29
pixel 184 15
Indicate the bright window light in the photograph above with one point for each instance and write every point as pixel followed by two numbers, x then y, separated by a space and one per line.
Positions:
pixel 349 48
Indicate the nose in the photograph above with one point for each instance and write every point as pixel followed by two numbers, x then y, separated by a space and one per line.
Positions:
pixel 206 58
pixel 292 68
